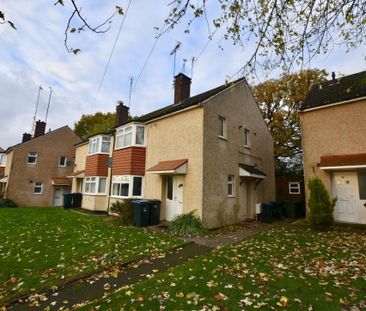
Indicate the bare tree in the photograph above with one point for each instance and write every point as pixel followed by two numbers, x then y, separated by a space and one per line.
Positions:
pixel 284 32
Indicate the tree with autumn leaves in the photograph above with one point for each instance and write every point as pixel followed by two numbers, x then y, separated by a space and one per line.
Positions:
pixel 279 101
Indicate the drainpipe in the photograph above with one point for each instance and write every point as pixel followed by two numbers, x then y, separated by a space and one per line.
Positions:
pixel 110 179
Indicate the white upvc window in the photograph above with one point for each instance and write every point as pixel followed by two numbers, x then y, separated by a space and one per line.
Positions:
pixel 130 135
pixel 230 186
pixel 62 161
pixel 99 144
pixel 2 159
pixel 127 186
pixel 32 158
pixel 222 127
pixel 246 137
pixel 38 188
pixel 294 188
pixel 95 185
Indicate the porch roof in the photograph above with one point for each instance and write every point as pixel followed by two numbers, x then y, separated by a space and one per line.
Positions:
pixel 343 161
pixel 170 167
pixel 77 174
pixel 4 179
pixel 246 170
pixel 61 181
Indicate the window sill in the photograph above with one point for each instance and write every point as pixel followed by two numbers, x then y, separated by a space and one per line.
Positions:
pixel 138 146
pixel 90 154
pixel 222 138
pixel 95 194
pixel 247 147
pixel 129 197
pixel 32 164
pixel 231 196
pixel 61 166
pixel 37 193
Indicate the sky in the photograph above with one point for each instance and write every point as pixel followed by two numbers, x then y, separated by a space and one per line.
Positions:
pixel 34 55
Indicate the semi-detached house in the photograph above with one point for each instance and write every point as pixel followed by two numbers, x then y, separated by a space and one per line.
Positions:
pixel 211 153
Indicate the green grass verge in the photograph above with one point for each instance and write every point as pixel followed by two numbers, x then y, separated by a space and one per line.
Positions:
pixel 44 247
pixel 292 269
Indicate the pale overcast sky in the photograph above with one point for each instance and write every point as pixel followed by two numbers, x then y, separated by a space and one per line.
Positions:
pixel 35 55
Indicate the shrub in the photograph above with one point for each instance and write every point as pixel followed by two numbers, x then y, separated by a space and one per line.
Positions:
pixel 124 210
pixel 7 203
pixel 320 204
pixel 187 225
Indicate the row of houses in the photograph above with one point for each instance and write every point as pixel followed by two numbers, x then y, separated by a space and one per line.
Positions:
pixel 211 153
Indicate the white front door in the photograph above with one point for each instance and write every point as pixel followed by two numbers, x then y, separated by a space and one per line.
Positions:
pixel 174 196
pixel 345 189
pixel 361 178
pixel 58 196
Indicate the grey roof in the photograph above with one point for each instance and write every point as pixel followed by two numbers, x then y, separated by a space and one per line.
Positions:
pixel 338 90
pixel 1 149
pixel 186 103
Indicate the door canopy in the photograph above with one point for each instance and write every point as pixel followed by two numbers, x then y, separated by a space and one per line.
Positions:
pixel 246 170
pixel 174 167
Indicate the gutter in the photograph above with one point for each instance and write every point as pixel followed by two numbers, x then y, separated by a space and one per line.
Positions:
pixel 334 104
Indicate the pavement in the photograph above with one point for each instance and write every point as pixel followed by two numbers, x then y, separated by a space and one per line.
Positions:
pixel 96 286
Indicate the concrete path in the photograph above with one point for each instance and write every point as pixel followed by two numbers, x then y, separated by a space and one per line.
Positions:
pixel 96 286
pixel 233 237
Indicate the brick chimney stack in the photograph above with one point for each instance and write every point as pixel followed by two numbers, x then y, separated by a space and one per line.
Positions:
pixel 182 88
pixel 121 113
pixel 40 128
pixel 26 137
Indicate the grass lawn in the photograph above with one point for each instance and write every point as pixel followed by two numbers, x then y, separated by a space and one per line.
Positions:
pixel 292 269
pixel 43 247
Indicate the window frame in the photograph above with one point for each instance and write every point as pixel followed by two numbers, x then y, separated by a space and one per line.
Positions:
pixel 231 181
pixel 3 159
pixel 246 132
pixel 294 187
pixel 224 127
pixel 121 133
pixel 94 180
pixel 35 155
pixel 127 180
pixel 96 144
pixel 37 185
pixel 59 161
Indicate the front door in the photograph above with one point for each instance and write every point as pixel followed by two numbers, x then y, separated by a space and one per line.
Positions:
pixel 174 196
pixel 58 199
pixel 345 189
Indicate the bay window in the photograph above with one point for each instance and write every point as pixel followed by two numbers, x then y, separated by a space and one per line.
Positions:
pixel 127 186
pixel 95 185
pixel 99 144
pixel 131 135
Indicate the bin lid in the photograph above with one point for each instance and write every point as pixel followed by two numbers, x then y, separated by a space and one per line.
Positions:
pixel 140 201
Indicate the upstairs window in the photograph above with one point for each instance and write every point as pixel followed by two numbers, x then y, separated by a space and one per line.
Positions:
pixel 2 159
pixel 246 138
pixel 62 161
pixel 131 135
pixel 32 158
pixel 99 144
pixel 222 127
pixel 294 188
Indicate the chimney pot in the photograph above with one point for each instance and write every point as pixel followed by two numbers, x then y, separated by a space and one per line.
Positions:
pixel 333 76
pixel 26 137
pixel 121 113
pixel 40 128
pixel 182 88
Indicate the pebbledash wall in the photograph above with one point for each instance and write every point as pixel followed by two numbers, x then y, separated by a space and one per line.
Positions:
pixel 221 157
pixel 178 136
